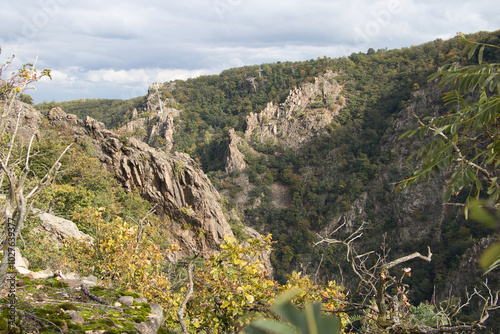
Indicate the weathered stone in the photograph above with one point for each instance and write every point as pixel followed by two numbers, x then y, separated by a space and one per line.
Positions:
pixel 235 160
pixel 44 274
pixel 75 317
pixel 304 114
pixel 56 114
pixel 21 264
pixel 175 183
pixel 151 128
pixel 62 228
pixel 126 300
pixel 90 280
pixel 156 319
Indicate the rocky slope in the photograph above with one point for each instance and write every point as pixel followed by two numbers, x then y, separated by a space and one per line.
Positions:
pixel 182 192
pixel 303 116
pixel 307 110
pixel 172 181
pixel 155 123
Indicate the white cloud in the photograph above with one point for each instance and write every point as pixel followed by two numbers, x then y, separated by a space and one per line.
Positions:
pixel 115 47
pixel 135 76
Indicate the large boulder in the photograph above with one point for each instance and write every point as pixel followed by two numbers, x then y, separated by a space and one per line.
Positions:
pixel 61 228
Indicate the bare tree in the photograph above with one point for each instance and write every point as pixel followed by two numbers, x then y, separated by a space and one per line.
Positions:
pixel 381 294
pixel 15 174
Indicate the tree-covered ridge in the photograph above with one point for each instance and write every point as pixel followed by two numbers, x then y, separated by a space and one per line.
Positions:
pixel 354 165
pixel 111 112
pixel 329 174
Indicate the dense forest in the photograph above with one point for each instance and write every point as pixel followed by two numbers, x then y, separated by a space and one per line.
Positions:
pixel 377 84
pixel 356 159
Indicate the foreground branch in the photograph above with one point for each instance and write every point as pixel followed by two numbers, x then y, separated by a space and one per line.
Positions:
pixel 181 310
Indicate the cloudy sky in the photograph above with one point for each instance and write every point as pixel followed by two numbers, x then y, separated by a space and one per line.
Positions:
pixel 116 49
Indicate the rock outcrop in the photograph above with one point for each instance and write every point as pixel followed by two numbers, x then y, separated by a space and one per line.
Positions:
pixel 235 160
pixel 179 187
pixel 154 124
pixel 62 229
pixel 153 325
pixel 157 129
pixel 173 181
pixel 29 119
pixel 305 113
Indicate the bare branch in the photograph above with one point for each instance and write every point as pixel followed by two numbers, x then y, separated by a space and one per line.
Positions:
pixel 408 258
pixel 47 178
pixel 181 310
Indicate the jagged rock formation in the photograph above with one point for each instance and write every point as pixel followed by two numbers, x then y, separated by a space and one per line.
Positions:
pixel 235 160
pixel 176 184
pixel 28 122
pixel 155 124
pixel 305 113
pixel 157 129
pixel 183 193
pixel 172 181
pixel 153 99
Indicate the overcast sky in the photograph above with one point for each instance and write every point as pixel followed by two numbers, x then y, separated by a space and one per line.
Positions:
pixel 116 49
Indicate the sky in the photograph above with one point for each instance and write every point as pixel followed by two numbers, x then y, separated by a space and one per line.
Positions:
pixel 117 49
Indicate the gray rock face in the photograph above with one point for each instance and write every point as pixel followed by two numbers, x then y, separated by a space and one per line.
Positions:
pixel 126 300
pixel 173 181
pixel 153 127
pixel 178 186
pixel 75 317
pixel 61 228
pixel 151 326
pixel 304 115
pixel 29 119
pixel 235 160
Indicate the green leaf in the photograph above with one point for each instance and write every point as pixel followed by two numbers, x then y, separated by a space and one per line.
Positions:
pixel 285 309
pixel 493 266
pixel 328 325
pixel 481 215
pixel 269 326
pixel 490 256
pixel 480 55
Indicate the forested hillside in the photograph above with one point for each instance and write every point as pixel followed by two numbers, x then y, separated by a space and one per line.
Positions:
pixel 338 177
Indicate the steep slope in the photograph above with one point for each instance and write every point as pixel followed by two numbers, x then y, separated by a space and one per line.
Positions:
pixel 154 124
pixel 173 182
pixel 305 113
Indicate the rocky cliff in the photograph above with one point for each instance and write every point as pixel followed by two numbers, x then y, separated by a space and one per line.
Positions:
pixel 305 113
pixel 172 181
pixel 155 123
pixel 412 213
pixel 156 129
pixel 235 159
